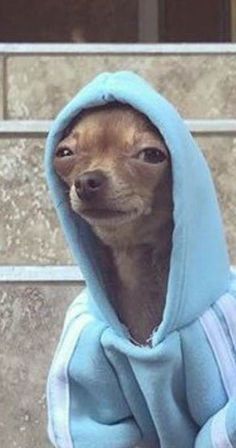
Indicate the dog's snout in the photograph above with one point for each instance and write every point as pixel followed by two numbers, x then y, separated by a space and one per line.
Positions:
pixel 88 184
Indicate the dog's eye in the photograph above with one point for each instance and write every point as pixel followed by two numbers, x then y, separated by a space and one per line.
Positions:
pixel 64 151
pixel 151 155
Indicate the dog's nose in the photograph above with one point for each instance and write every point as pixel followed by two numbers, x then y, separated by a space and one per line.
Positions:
pixel 89 183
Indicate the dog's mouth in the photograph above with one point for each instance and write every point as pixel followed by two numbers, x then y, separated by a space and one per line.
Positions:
pixel 106 216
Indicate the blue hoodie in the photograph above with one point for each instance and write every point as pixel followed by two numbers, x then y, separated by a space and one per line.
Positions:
pixel 180 392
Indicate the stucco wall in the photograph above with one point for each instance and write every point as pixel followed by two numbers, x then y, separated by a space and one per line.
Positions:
pixel 31 315
pixel 200 86
pixel 29 232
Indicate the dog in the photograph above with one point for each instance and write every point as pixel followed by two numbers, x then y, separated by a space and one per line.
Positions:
pixel 118 170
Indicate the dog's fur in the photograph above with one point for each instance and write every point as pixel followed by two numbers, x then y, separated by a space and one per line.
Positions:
pixel 124 191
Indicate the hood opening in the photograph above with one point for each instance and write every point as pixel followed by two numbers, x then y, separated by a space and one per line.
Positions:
pixel 199 265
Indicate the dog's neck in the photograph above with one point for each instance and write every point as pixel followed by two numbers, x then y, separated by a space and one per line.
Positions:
pixel 138 273
pixel 142 278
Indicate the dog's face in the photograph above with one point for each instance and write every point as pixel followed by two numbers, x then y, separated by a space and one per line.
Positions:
pixel 119 173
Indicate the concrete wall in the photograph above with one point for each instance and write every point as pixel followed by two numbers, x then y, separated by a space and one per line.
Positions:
pixel 200 86
pixel 31 315
pixel 36 87
pixel 29 233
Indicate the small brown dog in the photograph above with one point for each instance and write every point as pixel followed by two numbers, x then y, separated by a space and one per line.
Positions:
pixel 119 173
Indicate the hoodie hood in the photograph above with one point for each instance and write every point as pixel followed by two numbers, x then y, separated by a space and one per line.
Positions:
pixel 199 265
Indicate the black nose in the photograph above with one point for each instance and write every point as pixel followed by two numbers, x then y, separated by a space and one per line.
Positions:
pixel 88 184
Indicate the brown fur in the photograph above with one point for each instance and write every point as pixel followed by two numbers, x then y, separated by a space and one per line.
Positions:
pixel 131 214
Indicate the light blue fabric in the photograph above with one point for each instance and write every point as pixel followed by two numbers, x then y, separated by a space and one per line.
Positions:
pixel 119 394
pixel 230 421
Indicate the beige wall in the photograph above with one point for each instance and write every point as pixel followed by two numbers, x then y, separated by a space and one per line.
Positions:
pixel 29 231
pixel 200 86
pixel 31 315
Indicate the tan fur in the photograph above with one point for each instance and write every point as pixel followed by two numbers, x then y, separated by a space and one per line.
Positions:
pixel 131 214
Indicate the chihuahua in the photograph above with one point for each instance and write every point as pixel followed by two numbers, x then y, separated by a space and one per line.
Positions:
pixel 118 170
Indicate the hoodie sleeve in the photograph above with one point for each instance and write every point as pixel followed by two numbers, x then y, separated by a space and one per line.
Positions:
pixel 220 430
pixel 210 366
pixel 86 406
pixel 219 324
